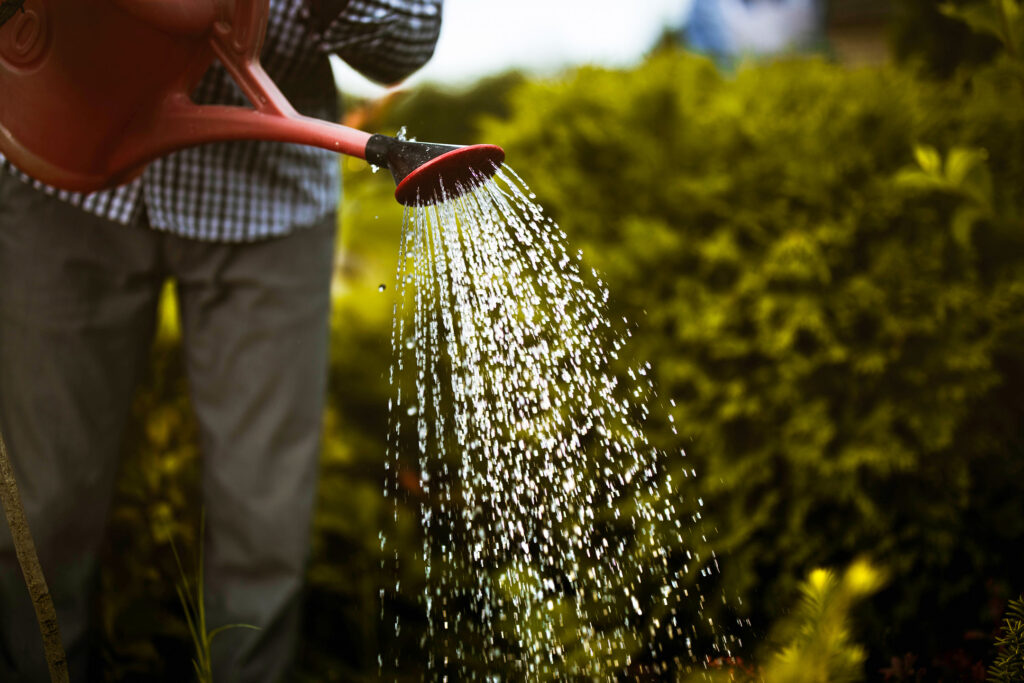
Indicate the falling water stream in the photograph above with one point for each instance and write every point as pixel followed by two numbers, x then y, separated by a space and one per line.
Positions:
pixel 556 538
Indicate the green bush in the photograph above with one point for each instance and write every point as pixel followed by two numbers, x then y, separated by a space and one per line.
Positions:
pixel 921 33
pixel 1009 665
pixel 817 642
pixel 826 269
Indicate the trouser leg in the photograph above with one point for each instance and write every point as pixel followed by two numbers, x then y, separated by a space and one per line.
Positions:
pixel 77 302
pixel 255 326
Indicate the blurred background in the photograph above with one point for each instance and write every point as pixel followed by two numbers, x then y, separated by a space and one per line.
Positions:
pixel 814 214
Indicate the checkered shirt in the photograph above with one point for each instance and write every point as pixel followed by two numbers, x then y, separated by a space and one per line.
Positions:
pixel 244 191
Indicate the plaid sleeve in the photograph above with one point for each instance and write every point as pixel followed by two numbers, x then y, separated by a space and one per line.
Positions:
pixel 385 40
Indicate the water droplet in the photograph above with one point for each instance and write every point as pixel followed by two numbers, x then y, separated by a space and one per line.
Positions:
pixel 526 443
pixel 381 287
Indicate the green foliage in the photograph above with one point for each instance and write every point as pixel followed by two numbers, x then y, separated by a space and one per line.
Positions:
pixel 963 174
pixel 819 645
pixel 1002 19
pixel 826 267
pixel 814 642
pixel 1009 664
pixel 450 116
pixel 922 34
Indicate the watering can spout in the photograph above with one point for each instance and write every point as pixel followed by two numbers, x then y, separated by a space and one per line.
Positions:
pixel 427 172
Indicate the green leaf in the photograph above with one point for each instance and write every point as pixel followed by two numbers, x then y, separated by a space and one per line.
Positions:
pixel 928 159
pixel 220 629
pixel 916 179
pixel 981 17
pixel 961 161
pixel 1014 25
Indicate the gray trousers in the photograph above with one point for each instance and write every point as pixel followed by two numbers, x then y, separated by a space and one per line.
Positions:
pixel 78 299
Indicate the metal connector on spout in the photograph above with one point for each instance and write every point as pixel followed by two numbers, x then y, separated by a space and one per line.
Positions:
pixel 428 173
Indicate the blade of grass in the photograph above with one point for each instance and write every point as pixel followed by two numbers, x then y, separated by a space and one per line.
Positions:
pixel 193 604
pixel 217 631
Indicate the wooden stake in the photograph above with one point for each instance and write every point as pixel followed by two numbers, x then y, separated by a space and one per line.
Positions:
pixel 25 548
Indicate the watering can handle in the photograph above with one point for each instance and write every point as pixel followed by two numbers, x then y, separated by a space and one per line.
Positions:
pixel 179 122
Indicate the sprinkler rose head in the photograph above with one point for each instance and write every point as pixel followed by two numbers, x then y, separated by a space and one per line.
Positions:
pixel 427 173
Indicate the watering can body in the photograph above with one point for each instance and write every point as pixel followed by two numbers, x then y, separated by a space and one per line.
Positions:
pixel 92 90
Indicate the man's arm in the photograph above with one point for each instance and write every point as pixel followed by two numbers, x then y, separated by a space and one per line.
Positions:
pixel 385 40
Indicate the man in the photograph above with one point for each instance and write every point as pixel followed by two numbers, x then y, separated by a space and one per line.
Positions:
pixel 246 230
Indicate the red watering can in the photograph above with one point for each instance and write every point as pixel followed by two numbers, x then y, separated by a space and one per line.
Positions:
pixel 93 90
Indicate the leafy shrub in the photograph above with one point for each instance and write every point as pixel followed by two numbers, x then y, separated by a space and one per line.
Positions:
pixel 1009 665
pixel 826 267
pixel 815 641
pixel 817 636
pixel 921 33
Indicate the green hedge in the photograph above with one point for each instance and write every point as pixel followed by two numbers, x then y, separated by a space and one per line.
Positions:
pixel 826 267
